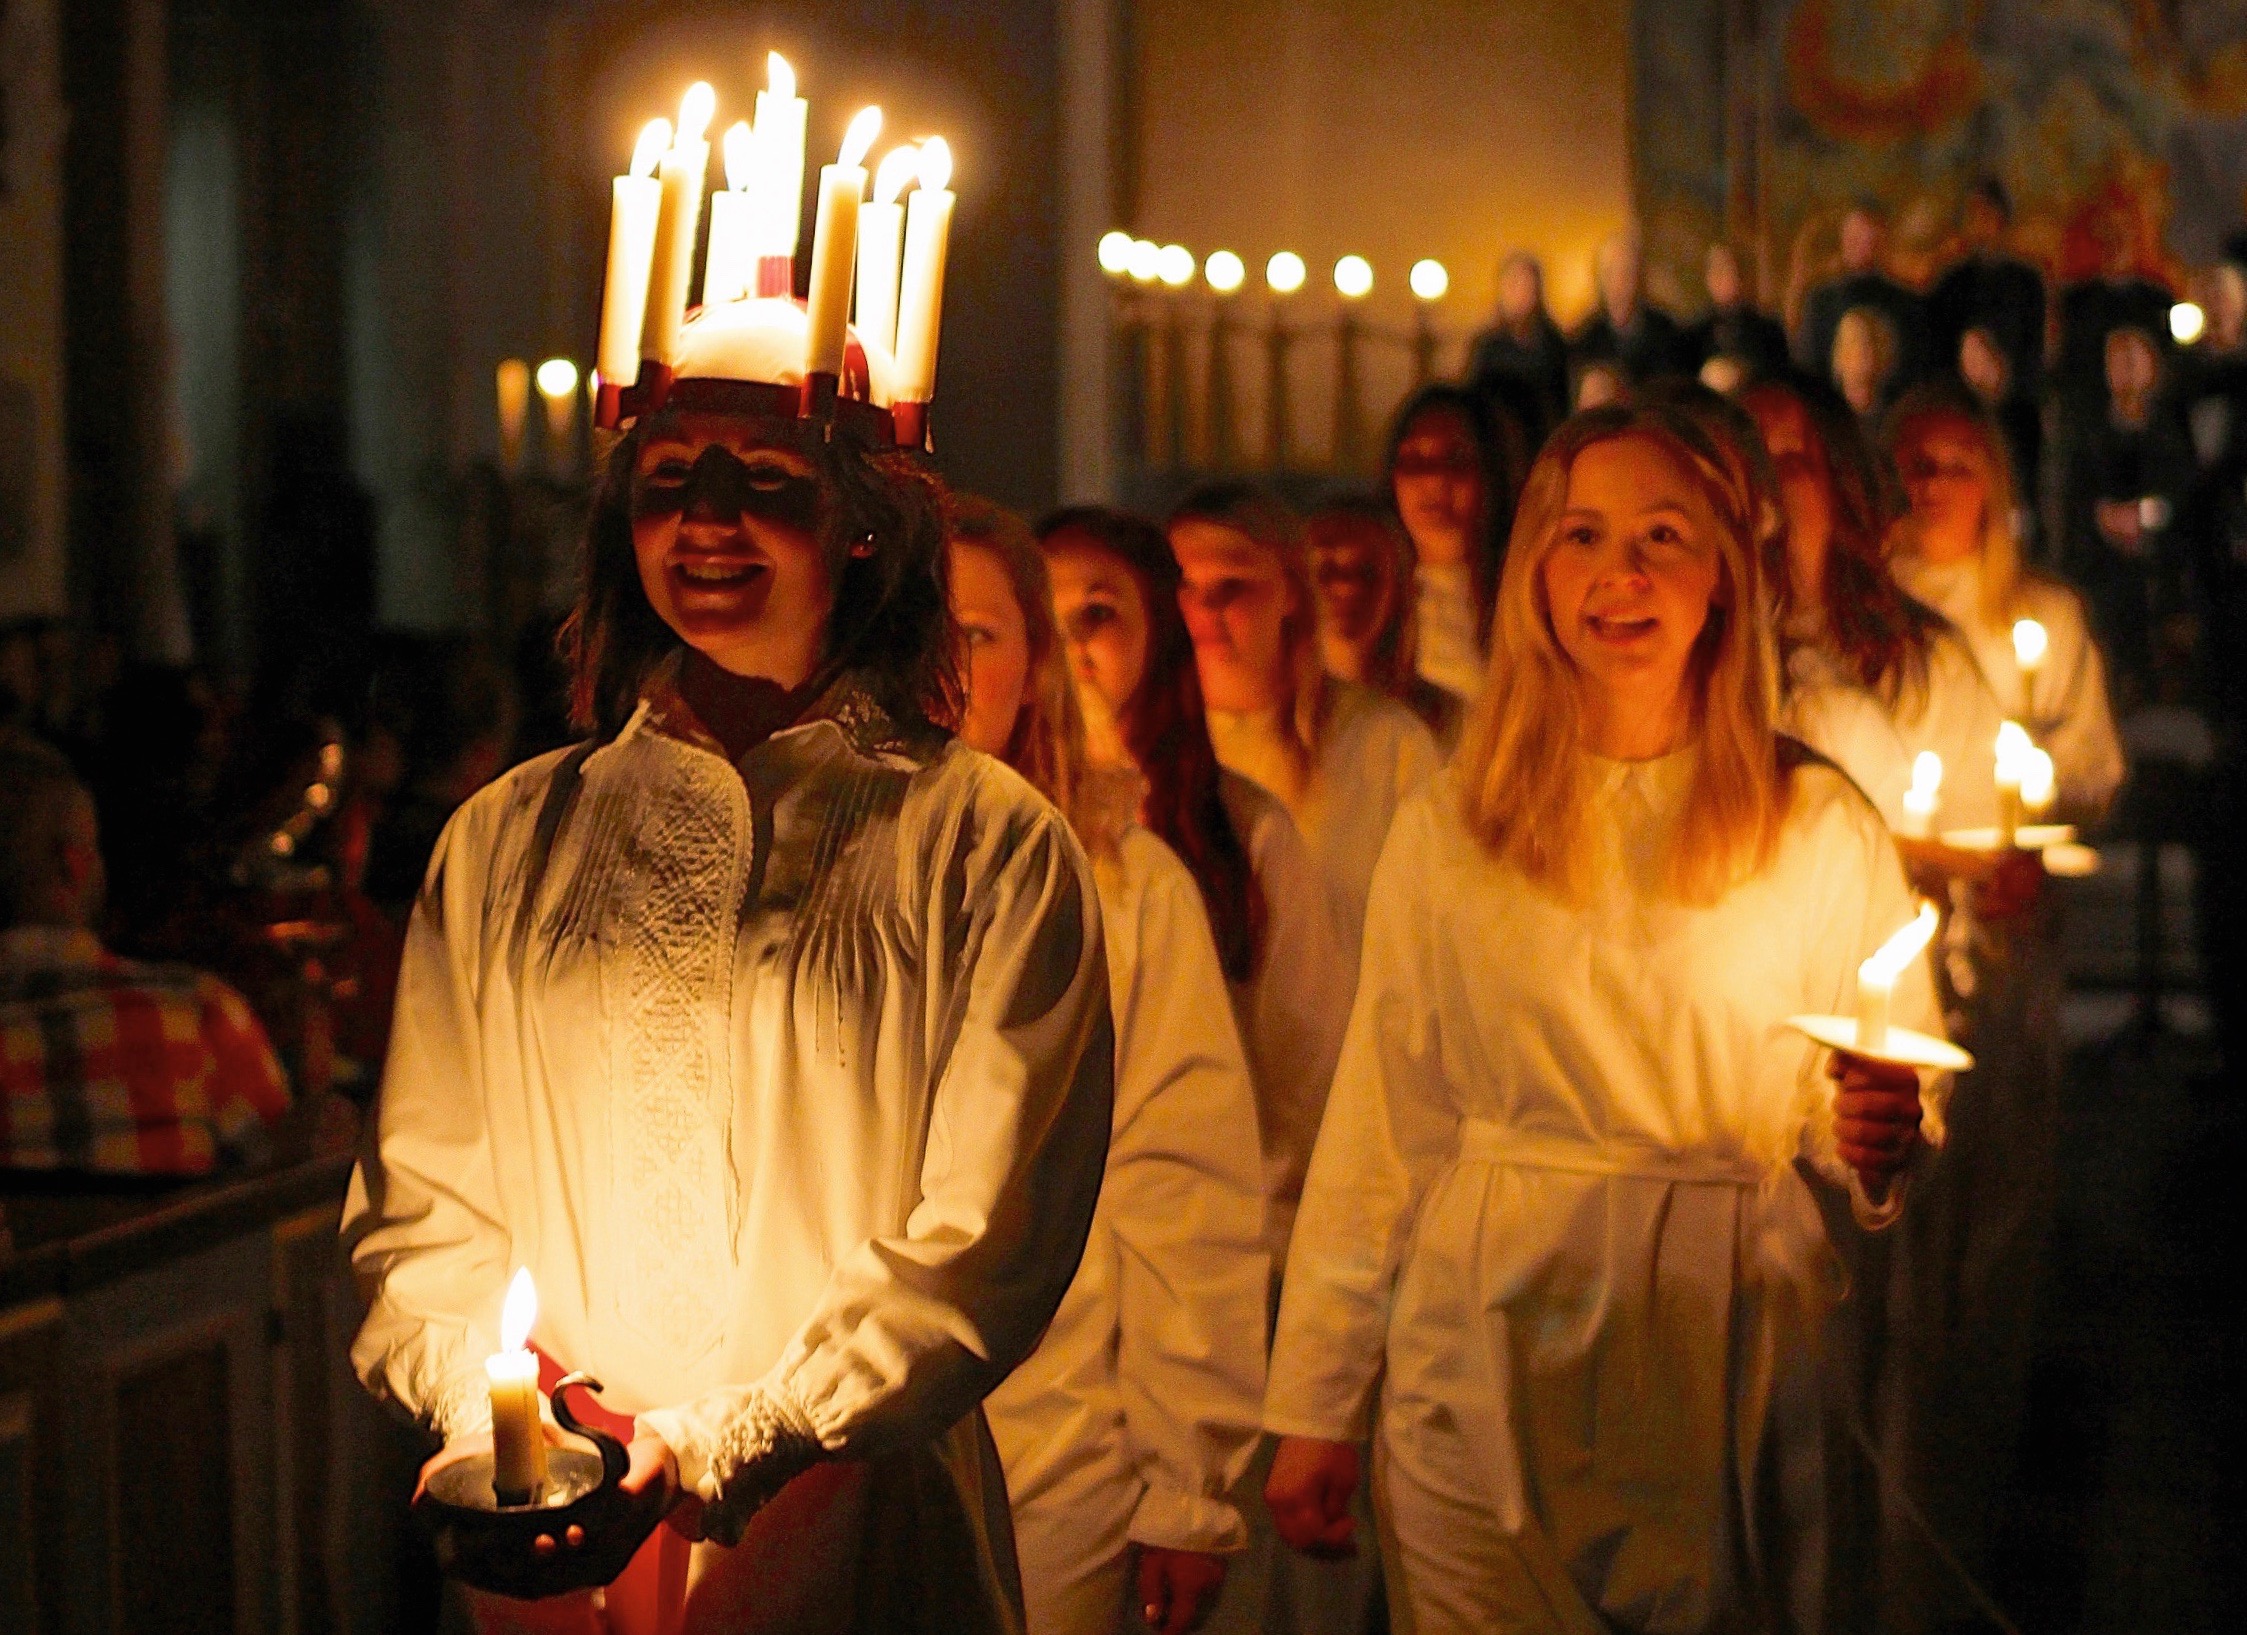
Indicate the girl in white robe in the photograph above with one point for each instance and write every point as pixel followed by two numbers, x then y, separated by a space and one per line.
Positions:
pixel 769 1030
pixel 1126 1431
pixel 1560 1212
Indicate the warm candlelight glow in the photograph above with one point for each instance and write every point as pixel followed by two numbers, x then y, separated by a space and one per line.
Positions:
pixel 2030 643
pixel 1920 799
pixel 1877 977
pixel 513 380
pixel 518 1441
pixel 1353 277
pixel 901 165
pixel 647 153
pixel 1145 262
pixel 2039 780
pixel 780 79
pixel 1285 272
pixel 936 165
pixel 1176 266
pixel 2187 322
pixel 1430 280
pixel 1225 271
pixel 518 1314
pixel 557 378
pixel 1115 254
pixel 858 141
pixel 741 155
pixel 696 109
pixel 2014 747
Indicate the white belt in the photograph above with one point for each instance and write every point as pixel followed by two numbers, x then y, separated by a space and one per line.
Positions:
pixel 1483 1142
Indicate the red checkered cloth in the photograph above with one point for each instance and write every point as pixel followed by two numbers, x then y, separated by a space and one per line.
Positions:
pixel 119 1068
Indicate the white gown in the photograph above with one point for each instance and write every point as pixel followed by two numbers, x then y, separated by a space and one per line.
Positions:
pixel 2070 717
pixel 1448 628
pixel 1555 1214
pixel 791 1087
pixel 1137 1413
pixel 1372 753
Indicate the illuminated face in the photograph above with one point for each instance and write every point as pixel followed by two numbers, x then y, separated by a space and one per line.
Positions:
pixel 1350 577
pixel 1439 488
pixel 998 647
pixel 1237 602
pixel 1521 289
pixel 1634 570
pixel 1946 476
pixel 1805 484
pixel 1103 617
pixel 725 527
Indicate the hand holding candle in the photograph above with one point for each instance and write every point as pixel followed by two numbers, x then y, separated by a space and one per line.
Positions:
pixel 1877 976
pixel 518 1439
pixel 834 248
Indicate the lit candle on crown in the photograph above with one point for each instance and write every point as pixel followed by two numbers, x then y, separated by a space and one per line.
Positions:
pixel 2013 751
pixel 881 228
pixel 518 1440
pixel 2030 644
pixel 779 189
pixel 920 305
pixel 1877 977
pixel 636 201
pixel 834 248
pixel 683 172
pixel 1921 799
pixel 729 265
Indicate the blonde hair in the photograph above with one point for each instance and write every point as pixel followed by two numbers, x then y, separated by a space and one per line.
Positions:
pixel 2000 551
pixel 1522 770
pixel 1047 745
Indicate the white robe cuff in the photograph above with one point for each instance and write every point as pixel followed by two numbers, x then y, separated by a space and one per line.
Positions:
pixel 735 1449
pixel 1188 1521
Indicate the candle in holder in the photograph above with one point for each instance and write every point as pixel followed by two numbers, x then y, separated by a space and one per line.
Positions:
pixel 834 247
pixel 518 1440
pixel 557 386
pixel 920 303
pixel 2030 644
pixel 636 202
pixel 881 239
pixel 779 187
pixel 1921 798
pixel 513 381
pixel 2039 782
pixel 2013 751
pixel 683 171
pixel 729 265
pixel 1877 977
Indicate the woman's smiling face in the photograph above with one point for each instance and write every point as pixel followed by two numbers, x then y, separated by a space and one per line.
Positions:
pixel 725 527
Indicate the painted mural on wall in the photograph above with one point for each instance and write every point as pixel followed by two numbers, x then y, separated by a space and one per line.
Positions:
pixel 2112 123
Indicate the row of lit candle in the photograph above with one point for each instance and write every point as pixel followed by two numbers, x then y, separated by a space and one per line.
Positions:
pixel 1143 261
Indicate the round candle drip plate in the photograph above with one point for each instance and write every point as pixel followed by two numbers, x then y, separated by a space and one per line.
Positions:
pixel 2029 837
pixel 1906 1048
pixel 495 1547
pixel 2069 861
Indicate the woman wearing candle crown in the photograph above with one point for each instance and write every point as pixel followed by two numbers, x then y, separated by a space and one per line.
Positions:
pixel 1561 1209
pixel 769 1030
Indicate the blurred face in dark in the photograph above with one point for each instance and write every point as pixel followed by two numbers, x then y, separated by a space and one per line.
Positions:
pixel 1102 612
pixel 997 634
pixel 1439 487
pixel 1983 227
pixel 1521 289
pixel 1860 241
pixel 725 527
pixel 1237 601
pixel 1945 467
pixel 1353 575
pixel 1726 286
pixel 1620 271
pixel 1805 486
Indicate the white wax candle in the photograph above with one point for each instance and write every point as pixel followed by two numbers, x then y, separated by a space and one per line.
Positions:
pixel 518 1440
pixel 513 383
pixel 729 267
pixel 881 228
pixel 2030 643
pixel 834 248
pixel 2013 750
pixel 683 172
pixel 1876 979
pixel 636 200
pixel 920 303
pixel 779 188
pixel 557 387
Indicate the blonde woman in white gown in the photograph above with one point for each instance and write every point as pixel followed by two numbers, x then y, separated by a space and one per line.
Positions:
pixel 1559 1245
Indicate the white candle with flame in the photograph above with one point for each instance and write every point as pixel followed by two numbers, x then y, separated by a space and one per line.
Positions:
pixel 2030 644
pixel 920 304
pixel 2013 751
pixel 557 387
pixel 1876 979
pixel 636 200
pixel 834 247
pixel 881 226
pixel 779 189
pixel 513 383
pixel 729 265
pixel 1921 798
pixel 518 1440
pixel 683 171
pixel 2039 782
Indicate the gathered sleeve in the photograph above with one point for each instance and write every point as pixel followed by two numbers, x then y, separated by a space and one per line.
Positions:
pixel 1390 1124
pixel 914 1328
pixel 1184 1203
pixel 428 1240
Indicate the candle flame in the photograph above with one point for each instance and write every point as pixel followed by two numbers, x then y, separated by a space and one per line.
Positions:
pixel 655 136
pixel 557 377
pixel 780 79
pixel 2187 322
pixel 858 141
pixel 741 155
pixel 1888 963
pixel 1430 280
pixel 520 1313
pixel 936 165
pixel 1927 774
pixel 1353 277
pixel 2030 644
pixel 898 168
pixel 1285 273
pixel 1225 271
pixel 2039 780
pixel 696 109
pixel 2014 746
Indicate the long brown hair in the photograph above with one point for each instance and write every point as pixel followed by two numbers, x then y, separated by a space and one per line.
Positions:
pixel 892 617
pixel 1392 660
pixel 1520 764
pixel 1502 451
pixel 1164 728
pixel 1047 745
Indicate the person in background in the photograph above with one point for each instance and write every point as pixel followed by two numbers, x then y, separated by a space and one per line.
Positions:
pixel 1125 1432
pixel 1524 345
pixel 1557 1243
pixel 1863 366
pixel 1987 371
pixel 2127 474
pixel 1862 283
pixel 1734 327
pixel 1451 473
pixel 108 1066
pixel 1340 757
pixel 453 724
pixel 1994 292
pixel 2119 296
pixel 1636 340
pixel 1361 574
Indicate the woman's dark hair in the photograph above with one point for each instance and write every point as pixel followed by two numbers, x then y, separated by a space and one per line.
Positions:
pixel 892 615
pixel 1168 736
pixel 1502 443
pixel 1882 634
